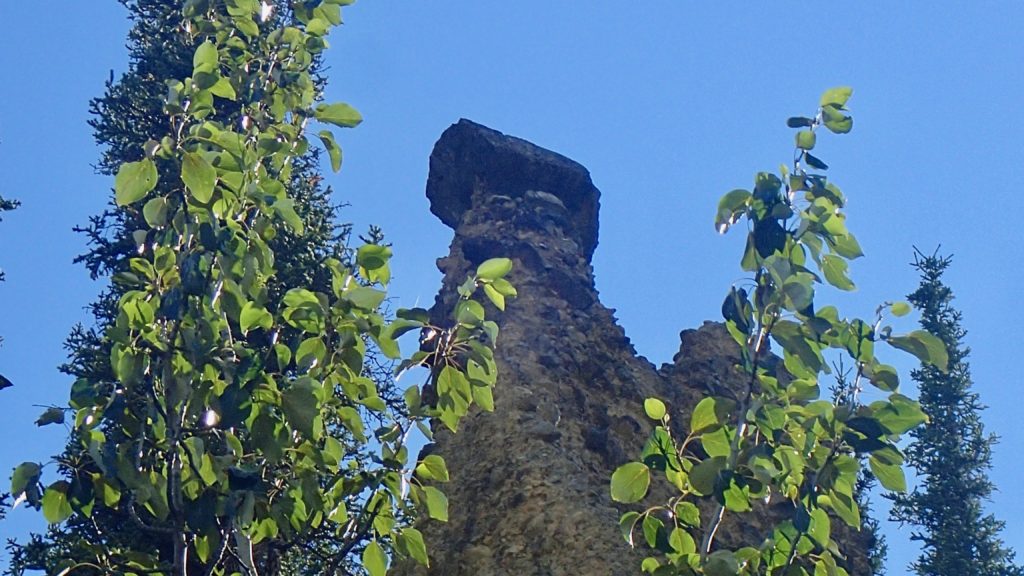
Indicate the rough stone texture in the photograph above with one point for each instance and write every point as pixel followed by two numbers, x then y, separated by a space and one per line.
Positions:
pixel 529 492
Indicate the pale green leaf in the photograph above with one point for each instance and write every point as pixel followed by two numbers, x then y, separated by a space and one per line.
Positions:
pixel 338 114
pixel 493 269
pixel 836 96
pixel 630 482
pixel 333 150
pixel 56 507
pixel 654 408
pixel 374 559
pixel 134 180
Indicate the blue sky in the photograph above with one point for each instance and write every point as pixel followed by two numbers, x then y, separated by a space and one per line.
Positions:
pixel 669 104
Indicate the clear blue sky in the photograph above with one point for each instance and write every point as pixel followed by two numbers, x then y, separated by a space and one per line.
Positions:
pixel 669 104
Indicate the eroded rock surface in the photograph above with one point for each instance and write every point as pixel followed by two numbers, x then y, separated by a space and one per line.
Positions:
pixel 530 482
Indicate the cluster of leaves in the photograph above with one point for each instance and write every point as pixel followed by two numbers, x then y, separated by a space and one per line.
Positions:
pixel 233 415
pixel 775 440
pixel 951 454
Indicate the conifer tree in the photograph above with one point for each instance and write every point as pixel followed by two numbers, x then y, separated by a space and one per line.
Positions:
pixel 124 119
pixel 952 453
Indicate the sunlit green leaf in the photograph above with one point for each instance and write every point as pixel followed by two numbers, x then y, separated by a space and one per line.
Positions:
pixel 900 308
pixel 494 269
pixel 630 482
pixel 199 176
pixel 374 559
pixel 253 316
pixel 835 269
pixel 56 507
pixel 134 180
pixel 155 212
pixel 654 408
pixel 889 475
pixel 338 114
pixel 805 140
pixel 836 96
pixel 333 150
pixel 411 541
pixel 927 347
pixel 437 503
pixel 432 467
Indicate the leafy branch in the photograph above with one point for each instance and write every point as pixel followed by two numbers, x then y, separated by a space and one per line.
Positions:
pixel 777 441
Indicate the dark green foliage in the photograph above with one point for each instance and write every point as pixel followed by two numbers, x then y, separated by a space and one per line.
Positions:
pixel 952 453
pixel 844 393
pixel 878 549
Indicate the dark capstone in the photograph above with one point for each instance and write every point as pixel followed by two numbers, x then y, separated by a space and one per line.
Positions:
pixel 471 163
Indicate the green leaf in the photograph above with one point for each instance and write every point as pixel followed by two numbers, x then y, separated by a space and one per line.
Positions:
pixel 883 376
pixel 199 176
pixel 835 269
pixel 899 414
pixel 333 150
pixel 432 467
pixel 845 507
pixel 285 209
pixel 155 212
pixel 836 96
pixel 847 246
pixel 25 476
pixel 820 529
pixel 134 180
pixel 51 416
pixel 688 513
pixel 299 405
pixel 374 559
pixel 814 162
pixel 365 297
pixel 730 207
pixel 411 540
pixel 704 476
pixel 56 507
pixel 437 503
pixel 654 408
pixel 900 308
pixel 721 563
pixel 254 316
pixel 630 482
pixel 710 413
pixel 889 475
pixel 493 269
pixel 805 140
pixel 626 524
pixel 927 347
pixel 224 89
pixel 205 58
pixel 338 114
pixel 836 121
pixel 495 297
